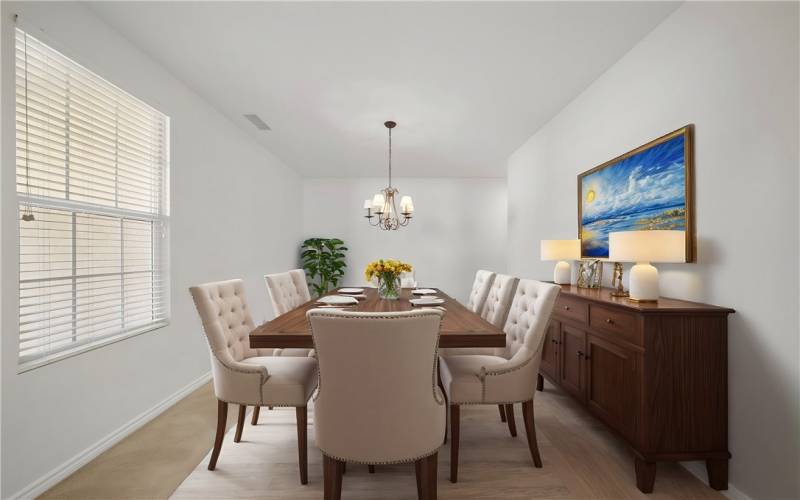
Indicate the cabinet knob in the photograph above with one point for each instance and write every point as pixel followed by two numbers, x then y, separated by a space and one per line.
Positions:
pixel 566 308
pixel 609 321
pixel 580 354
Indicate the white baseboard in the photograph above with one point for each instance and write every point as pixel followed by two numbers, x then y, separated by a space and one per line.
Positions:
pixel 698 469
pixel 58 474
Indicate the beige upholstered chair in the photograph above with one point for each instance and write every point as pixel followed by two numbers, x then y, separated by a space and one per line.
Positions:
pixel 498 300
pixel 510 376
pixel 241 375
pixel 288 291
pixel 382 406
pixel 477 298
pixel 480 290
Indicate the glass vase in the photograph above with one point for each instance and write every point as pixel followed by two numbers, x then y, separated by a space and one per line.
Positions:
pixel 389 287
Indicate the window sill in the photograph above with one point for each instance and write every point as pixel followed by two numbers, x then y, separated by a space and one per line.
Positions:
pixel 32 364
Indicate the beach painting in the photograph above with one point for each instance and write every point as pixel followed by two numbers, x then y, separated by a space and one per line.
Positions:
pixel 647 188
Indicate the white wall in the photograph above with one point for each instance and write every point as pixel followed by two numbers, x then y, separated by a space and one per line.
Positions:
pixel 458 228
pixel 225 189
pixel 732 70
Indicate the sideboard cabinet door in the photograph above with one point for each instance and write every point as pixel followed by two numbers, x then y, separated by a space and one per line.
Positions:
pixel 612 384
pixel 550 350
pixel 572 353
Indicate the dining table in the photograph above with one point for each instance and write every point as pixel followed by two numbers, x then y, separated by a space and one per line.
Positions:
pixel 460 326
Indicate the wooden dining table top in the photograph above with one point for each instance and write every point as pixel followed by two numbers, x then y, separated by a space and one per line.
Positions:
pixel 460 326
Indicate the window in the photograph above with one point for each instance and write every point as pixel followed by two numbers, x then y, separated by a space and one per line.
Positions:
pixel 92 188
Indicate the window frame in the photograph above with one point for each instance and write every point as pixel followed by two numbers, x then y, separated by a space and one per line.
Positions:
pixel 160 262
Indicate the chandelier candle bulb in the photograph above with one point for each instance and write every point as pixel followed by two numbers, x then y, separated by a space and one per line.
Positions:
pixel 562 251
pixel 377 203
pixel 406 205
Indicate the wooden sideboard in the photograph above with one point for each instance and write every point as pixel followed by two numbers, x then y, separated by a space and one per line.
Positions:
pixel 655 373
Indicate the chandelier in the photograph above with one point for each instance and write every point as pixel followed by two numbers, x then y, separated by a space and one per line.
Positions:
pixel 382 206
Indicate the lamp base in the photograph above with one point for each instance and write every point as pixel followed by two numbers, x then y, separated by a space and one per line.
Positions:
pixel 562 274
pixel 643 283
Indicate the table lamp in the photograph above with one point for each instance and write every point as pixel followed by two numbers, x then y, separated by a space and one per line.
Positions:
pixel 562 251
pixel 644 247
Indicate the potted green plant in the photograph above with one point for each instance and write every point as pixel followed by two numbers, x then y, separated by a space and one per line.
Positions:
pixel 323 261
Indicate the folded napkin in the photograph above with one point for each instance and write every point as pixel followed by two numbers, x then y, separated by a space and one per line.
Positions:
pixel 427 301
pixel 337 300
pixel 360 296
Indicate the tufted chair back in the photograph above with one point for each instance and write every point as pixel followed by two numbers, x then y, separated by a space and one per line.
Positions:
pixel 227 324
pixel 498 300
pixel 528 317
pixel 480 290
pixel 287 290
pixel 382 405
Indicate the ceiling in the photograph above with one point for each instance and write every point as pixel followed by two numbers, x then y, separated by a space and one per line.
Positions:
pixel 467 83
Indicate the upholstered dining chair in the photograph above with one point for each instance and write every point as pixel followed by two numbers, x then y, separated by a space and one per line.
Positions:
pixel 384 405
pixel 480 290
pixel 241 375
pixel 498 300
pixel 477 298
pixel 288 291
pixel 509 377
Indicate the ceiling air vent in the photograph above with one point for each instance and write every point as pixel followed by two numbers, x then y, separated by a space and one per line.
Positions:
pixel 257 122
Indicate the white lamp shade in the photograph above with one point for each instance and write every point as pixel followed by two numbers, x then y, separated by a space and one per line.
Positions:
pixel 367 203
pixel 406 205
pixel 647 246
pixel 378 202
pixel 561 249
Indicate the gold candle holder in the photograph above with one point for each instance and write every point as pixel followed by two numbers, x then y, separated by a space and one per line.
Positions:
pixel 616 281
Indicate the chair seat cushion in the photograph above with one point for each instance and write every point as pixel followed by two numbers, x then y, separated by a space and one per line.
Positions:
pixel 293 351
pixel 466 351
pixel 461 376
pixel 291 381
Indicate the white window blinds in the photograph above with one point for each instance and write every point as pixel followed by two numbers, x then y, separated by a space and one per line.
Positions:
pixel 92 172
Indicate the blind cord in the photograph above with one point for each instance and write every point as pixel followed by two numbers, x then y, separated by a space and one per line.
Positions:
pixel 27 212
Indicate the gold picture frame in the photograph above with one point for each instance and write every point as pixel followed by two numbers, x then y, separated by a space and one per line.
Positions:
pixel 593 233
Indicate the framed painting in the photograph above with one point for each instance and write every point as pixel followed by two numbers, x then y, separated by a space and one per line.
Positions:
pixel 650 187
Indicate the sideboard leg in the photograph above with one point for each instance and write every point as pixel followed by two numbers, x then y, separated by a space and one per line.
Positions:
pixel 645 475
pixel 717 473
pixel 539 382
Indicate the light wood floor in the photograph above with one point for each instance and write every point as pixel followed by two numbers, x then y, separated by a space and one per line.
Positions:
pixel 581 460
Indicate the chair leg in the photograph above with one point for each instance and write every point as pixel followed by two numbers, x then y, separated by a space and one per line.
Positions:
pixel 455 417
pixel 418 475
pixel 256 411
pixel 344 468
pixel 240 424
pixel 512 425
pixel 539 382
pixel 371 469
pixel 502 412
pixel 222 418
pixel 332 478
pixel 426 472
pixel 302 442
pixel 530 430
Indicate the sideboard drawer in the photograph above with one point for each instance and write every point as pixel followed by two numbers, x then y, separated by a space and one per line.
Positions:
pixel 615 322
pixel 572 308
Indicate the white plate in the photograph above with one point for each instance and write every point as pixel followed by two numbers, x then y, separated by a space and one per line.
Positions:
pixel 337 300
pixel 427 301
pixel 423 291
pixel 351 290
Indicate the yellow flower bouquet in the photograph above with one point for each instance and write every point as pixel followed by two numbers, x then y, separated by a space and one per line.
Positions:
pixel 387 272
